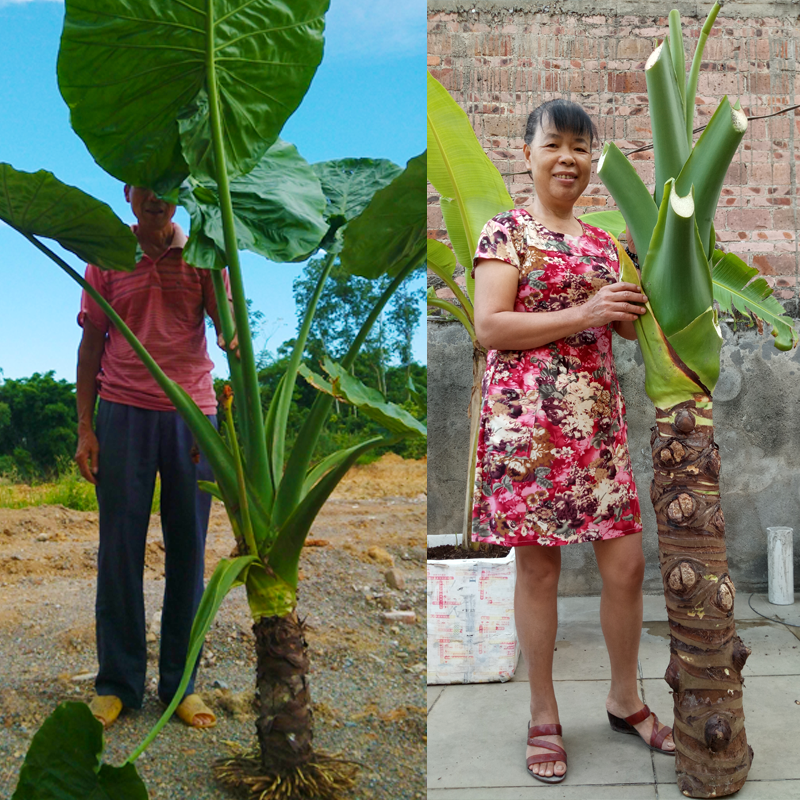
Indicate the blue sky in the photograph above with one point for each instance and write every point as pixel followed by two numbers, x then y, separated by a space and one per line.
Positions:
pixel 367 99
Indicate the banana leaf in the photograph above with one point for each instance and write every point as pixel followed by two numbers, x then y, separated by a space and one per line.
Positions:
pixel 39 204
pixel 472 190
pixel 442 263
pixel 441 257
pixel 734 287
pixel 137 77
pixel 609 221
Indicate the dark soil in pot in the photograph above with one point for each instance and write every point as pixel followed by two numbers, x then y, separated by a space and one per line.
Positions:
pixel 452 552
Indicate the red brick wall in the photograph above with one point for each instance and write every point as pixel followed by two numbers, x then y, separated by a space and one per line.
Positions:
pixel 499 66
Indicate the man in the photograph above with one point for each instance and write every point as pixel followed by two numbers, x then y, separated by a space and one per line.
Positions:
pixel 139 433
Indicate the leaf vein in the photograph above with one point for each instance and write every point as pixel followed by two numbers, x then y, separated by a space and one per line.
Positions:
pixel 251 34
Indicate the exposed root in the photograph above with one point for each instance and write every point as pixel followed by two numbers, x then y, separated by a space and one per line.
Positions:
pixel 324 777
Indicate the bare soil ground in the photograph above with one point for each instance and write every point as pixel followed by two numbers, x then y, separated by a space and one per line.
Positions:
pixel 367 678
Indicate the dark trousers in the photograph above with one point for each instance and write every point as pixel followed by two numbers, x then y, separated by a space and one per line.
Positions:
pixel 136 443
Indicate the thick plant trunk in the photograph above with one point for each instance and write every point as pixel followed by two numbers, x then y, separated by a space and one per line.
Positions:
pixel 285 766
pixel 706 656
pixel 284 723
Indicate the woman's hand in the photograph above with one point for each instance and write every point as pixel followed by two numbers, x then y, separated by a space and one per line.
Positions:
pixel 614 303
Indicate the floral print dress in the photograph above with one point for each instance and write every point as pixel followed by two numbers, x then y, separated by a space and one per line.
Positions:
pixel 553 466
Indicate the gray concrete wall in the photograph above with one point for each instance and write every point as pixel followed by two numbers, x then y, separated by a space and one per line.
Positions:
pixel 757 419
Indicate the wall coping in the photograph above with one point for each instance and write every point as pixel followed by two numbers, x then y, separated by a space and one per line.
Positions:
pixel 618 8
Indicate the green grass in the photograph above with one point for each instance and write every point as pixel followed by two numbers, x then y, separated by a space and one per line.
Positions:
pixel 69 490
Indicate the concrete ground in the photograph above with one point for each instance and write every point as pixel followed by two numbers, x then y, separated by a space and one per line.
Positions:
pixel 476 733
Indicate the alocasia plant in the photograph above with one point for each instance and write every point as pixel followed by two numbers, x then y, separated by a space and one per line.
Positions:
pixel 189 98
pixel 683 273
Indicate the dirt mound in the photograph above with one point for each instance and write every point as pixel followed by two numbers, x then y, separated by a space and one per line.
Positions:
pixel 53 541
pixel 389 476
pixel 365 672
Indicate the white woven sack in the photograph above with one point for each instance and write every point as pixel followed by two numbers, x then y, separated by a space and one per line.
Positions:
pixel 471 633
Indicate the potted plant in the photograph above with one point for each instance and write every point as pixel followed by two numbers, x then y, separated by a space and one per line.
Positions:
pixel 470 586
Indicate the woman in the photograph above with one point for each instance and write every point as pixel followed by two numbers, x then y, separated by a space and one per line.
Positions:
pixel 553 464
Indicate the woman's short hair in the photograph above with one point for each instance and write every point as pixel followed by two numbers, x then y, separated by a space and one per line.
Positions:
pixel 566 116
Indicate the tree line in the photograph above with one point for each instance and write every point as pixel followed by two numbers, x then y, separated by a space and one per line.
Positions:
pixel 38 420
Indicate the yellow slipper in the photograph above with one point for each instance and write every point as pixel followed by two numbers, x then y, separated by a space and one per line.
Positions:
pixel 106 708
pixel 195 713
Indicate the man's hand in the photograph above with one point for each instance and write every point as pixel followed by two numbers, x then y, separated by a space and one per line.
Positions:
pixel 87 455
pixel 233 347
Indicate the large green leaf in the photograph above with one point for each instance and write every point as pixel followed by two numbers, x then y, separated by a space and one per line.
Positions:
pixel 666 381
pixel 630 194
pixel 348 185
pixel 284 556
pixel 137 76
pixel 706 167
pixel 671 146
pixel 442 262
pixel 734 287
pixel 609 221
pixel 390 232
pixel 227 574
pixel 39 204
pixel 278 211
pixel 370 402
pixel 698 345
pixel 63 762
pixel 675 272
pixel 441 257
pixel 472 190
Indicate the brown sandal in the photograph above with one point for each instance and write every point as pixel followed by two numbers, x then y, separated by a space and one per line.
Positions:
pixel 657 735
pixel 545 758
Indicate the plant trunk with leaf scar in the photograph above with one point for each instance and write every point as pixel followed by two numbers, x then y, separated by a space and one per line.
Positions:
pixel 706 655
pixel 284 700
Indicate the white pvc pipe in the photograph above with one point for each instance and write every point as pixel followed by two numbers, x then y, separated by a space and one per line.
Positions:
pixel 780 566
